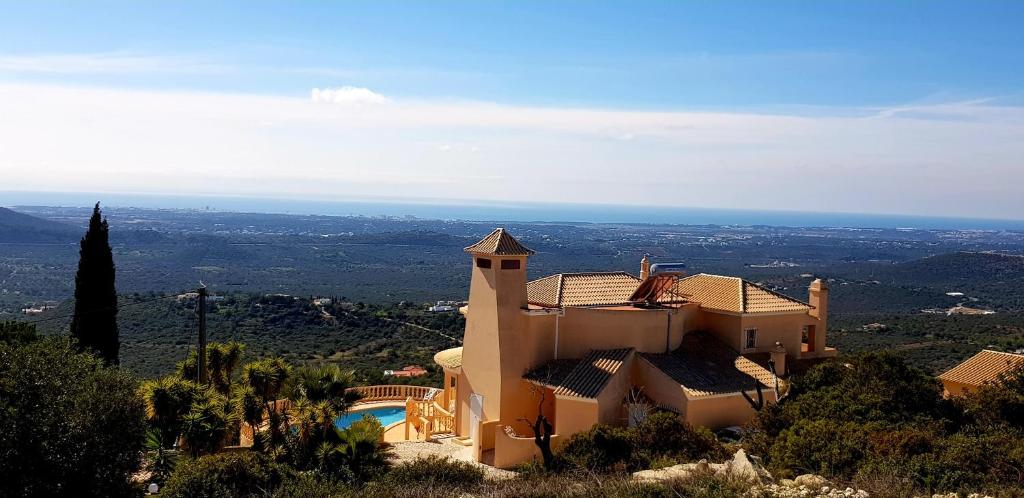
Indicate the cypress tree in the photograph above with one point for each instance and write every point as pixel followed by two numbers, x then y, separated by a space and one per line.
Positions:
pixel 95 322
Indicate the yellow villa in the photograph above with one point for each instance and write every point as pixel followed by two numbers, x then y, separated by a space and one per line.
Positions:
pixel 983 368
pixel 587 348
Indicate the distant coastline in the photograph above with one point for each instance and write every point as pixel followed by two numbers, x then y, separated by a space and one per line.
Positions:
pixel 497 211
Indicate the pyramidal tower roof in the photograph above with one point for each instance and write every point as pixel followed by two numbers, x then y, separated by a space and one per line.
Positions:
pixel 499 243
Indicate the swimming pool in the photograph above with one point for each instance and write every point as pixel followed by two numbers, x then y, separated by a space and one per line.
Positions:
pixel 386 415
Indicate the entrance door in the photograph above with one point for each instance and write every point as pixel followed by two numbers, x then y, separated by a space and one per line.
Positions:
pixel 476 413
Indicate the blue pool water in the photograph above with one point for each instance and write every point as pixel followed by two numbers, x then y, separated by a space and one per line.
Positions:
pixel 387 416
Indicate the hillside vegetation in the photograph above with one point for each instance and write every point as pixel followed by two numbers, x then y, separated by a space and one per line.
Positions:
pixel 158 330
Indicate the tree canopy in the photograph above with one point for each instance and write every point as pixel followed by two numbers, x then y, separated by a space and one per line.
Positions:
pixel 69 426
pixel 95 320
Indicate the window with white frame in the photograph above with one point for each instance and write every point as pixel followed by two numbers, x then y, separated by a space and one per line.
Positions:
pixel 750 338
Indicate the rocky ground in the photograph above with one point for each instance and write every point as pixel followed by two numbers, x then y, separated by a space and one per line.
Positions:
pixel 749 469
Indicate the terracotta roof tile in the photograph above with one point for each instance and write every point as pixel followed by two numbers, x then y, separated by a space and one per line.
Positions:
pixel 449 358
pixel 584 378
pixel 735 295
pixel 582 289
pixel 704 366
pixel 983 367
pixel 500 243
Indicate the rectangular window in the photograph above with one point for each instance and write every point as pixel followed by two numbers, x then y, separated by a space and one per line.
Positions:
pixel 751 338
pixel 510 264
pixel 483 263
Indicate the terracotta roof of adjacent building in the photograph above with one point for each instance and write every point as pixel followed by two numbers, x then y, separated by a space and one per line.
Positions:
pixel 986 366
pixel 449 358
pixel 704 366
pixel 500 243
pixel 733 294
pixel 584 378
pixel 582 289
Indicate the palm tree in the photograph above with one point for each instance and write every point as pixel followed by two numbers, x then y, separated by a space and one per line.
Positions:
pixel 168 400
pixel 327 383
pixel 360 447
pixel 207 425
pixel 266 377
pixel 250 407
pixel 159 461
pixel 222 360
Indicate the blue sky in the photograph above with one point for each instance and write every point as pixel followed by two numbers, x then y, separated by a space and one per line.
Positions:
pixel 877 106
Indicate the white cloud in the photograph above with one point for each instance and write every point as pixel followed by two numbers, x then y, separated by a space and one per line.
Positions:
pixel 105 63
pixel 347 95
pixel 953 159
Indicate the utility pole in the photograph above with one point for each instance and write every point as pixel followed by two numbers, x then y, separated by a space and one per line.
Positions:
pixel 201 308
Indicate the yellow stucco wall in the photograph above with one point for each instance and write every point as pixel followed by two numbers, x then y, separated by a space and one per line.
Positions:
pixel 574 415
pixel 658 386
pixel 784 328
pixel 951 388
pixel 510 451
pixel 716 412
pixel 646 330
pixel 505 339
pixel 610 399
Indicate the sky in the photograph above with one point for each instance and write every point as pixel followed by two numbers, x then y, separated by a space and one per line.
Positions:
pixel 912 107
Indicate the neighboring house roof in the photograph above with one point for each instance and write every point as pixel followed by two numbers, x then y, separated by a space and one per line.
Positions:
pixel 582 289
pixel 449 358
pixel 983 367
pixel 704 366
pixel 586 378
pixel 733 294
pixel 500 243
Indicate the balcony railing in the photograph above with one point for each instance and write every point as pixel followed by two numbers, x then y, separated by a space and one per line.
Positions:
pixel 391 392
pixel 428 418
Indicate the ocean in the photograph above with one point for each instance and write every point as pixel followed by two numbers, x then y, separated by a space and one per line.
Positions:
pixel 510 212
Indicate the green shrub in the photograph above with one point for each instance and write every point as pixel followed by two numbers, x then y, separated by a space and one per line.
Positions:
pixel 821 447
pixel 883 424
pixel 360 453
pixel 17 332
pixel 659 439
pixel 239 475
pixel 600 449
pixel 663 435
pixel 435 470
pixel 312 485
pixel 68 424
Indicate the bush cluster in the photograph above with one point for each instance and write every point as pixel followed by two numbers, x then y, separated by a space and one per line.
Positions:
pixel 436 471
pixel 242 475
pixel 662 437
pixel 69 425
pixel 872 419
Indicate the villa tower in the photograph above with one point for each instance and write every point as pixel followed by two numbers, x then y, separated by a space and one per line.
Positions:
pixel 494 321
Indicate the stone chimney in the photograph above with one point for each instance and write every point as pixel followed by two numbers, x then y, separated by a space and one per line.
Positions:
pixel 645 268
pixel 779 359
pixel 818 297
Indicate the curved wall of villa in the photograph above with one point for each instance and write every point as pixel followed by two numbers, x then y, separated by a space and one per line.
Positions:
pixel 511 450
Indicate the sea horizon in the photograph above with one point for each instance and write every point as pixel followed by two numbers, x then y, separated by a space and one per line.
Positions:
pixel 508 212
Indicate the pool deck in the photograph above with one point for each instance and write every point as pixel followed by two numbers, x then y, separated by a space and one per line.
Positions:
pixel 416 447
